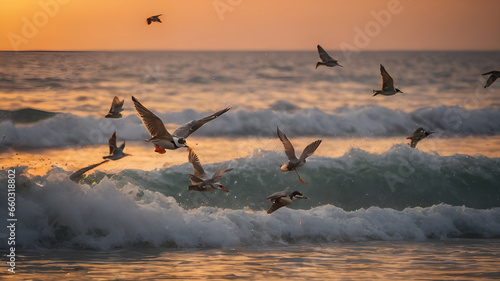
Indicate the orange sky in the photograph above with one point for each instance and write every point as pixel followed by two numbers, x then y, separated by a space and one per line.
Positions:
pixel 249 25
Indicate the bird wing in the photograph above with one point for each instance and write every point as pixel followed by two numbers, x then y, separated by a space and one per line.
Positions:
pixel 413 143
pixel 387 81
pixel 116 105
pixel 323 55
pixel 488 73
pixel 275 206
pixel 278 194
pixel 122 147
pixel 112 143
pixel 309 150
pixel 289 150
pixel 419 131
pixel 194 179
pixel 195 161
pixel 217 177
pixel 76 176
pixel 154 124
pixel 187 129
pixel 158 15
pixel 490 81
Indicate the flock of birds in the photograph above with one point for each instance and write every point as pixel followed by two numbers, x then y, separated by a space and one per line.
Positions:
pixel 162 139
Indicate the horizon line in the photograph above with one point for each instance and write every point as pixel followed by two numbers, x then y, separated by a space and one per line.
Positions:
pixel 257 50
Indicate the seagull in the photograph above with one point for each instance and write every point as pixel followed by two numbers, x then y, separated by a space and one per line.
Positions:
pixel 116 108
pixel 154 18
pixel 197 181
pixel 326 59
pixel 493 76
pixel 284 198
pixel 160 137
pixel 387 84
pixel 417 136
pixel 78 175
pixel 293 162
pixel 115 153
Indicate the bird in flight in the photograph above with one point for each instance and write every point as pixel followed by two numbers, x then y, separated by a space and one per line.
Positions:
pixel 197 181
pixel 116 108
pixel 78 175
pixel 387 84
pixel 284 198
pixel 417 136
pixel 115 153
pixel 493 76
pixel 160 137
pixel 293 161
pixel 326 59
pixel 154 18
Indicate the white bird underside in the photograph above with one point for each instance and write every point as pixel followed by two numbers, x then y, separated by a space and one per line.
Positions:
pixel 160 137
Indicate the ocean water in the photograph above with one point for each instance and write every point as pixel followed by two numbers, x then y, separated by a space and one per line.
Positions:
pixel 378 209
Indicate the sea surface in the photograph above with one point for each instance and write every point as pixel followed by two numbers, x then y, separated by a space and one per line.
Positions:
pixel 378 209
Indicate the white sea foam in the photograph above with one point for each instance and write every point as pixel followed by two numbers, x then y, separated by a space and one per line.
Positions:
pixel 370 121
pixel 57 212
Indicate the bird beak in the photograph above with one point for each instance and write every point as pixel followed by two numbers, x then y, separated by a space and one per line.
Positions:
pixel 223 188
pixel 305 198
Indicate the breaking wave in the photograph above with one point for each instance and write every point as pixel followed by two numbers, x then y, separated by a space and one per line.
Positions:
pixel 359 196
pixel 366 121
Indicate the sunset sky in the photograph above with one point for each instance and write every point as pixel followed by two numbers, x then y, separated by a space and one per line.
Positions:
pixel 250 25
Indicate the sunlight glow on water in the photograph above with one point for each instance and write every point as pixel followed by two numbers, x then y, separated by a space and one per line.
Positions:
pixel 215 150
pixel 371 260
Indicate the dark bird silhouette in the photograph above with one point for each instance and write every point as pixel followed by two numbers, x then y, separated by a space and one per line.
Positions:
pixel 154 18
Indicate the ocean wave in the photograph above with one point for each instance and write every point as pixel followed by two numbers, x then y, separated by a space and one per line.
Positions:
pixel 399 178
pixel 366 121
pixel 57 212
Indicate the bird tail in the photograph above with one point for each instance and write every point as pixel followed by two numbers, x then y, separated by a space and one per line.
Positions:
pixel 375 92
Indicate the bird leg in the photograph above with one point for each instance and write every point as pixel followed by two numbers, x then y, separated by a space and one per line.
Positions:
pixel 159 149
pixel 299 176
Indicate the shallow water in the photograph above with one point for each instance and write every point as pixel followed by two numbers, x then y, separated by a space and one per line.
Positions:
pixel 468 259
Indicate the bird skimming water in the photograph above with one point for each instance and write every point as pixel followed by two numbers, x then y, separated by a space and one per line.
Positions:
pixel 197 181
pixel 284 198
pixel 417 136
